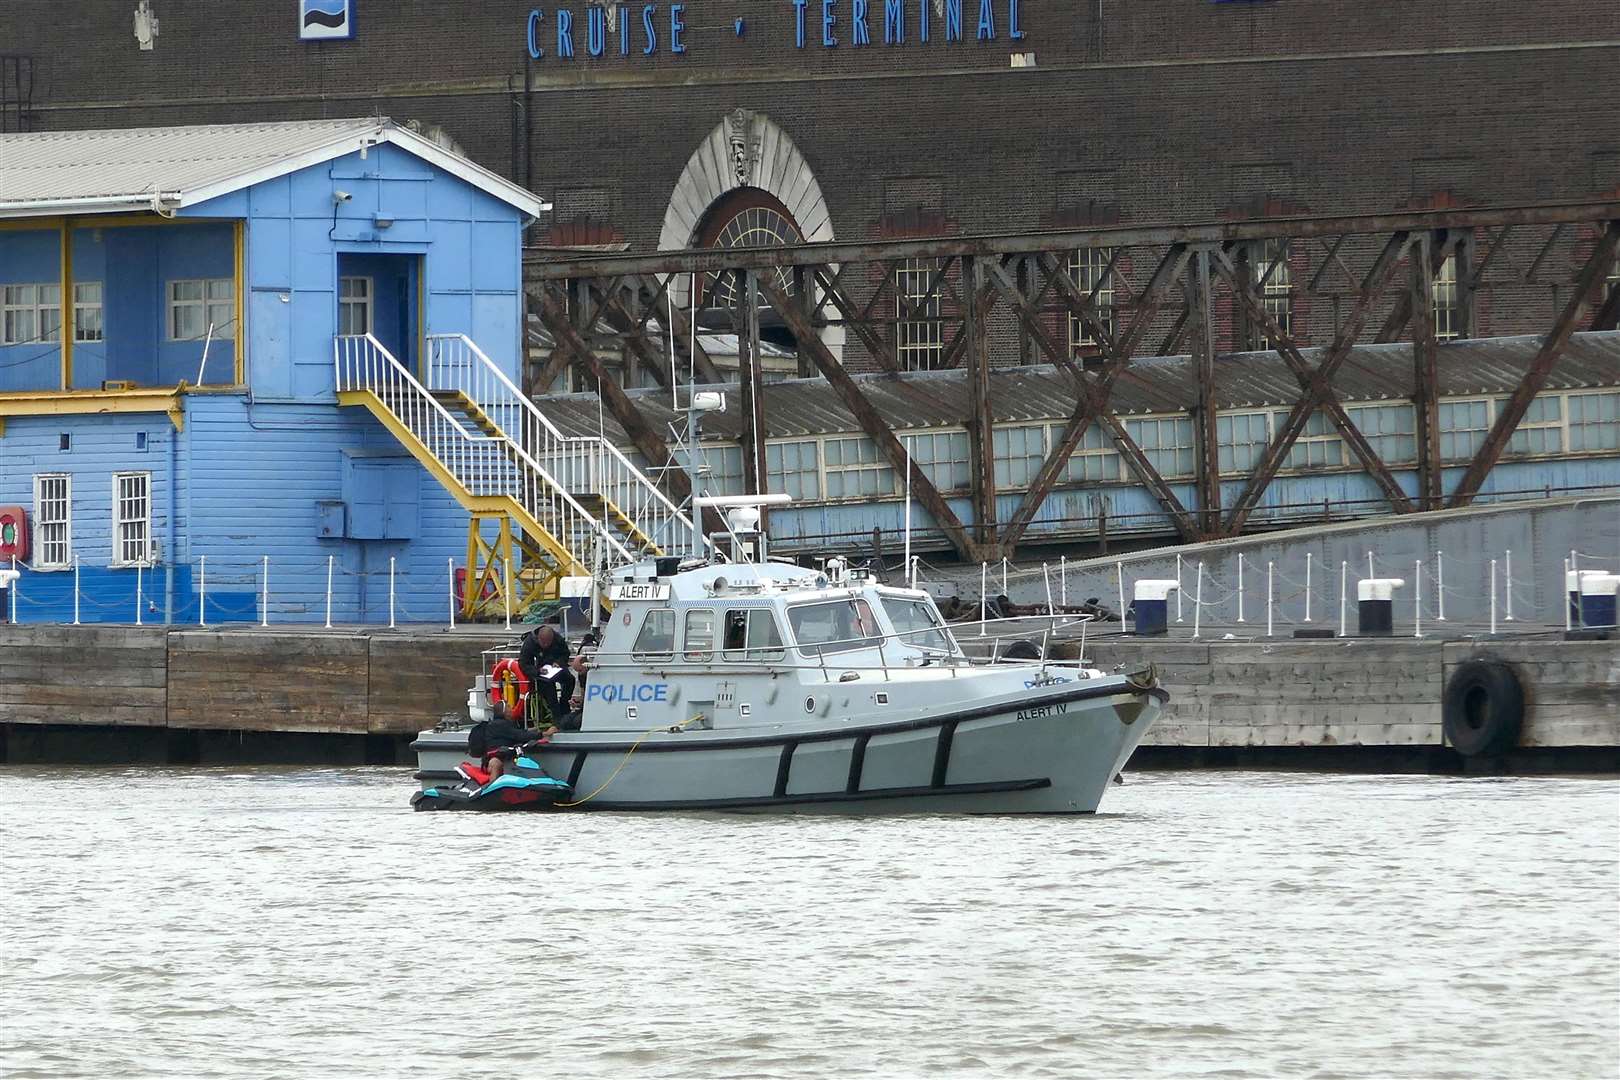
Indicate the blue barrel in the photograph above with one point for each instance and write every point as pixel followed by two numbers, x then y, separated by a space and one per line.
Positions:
pixel 1150 598
pixel 1598 599
pixel 1375 605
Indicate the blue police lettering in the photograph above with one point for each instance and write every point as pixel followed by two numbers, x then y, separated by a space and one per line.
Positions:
pixel 632 692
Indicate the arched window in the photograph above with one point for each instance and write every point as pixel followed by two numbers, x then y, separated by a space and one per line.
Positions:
pixel 745 218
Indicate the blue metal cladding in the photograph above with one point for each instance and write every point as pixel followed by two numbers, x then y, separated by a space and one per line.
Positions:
pixel 248 475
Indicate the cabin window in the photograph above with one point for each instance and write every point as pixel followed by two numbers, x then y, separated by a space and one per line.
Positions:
pixel 30 314
pixel 132 510
pixel 199 306
pixel 699 635
pixel 751 634
pixel 657 638
pixel 835 627
pixel 916 624
pixel 354 305
pixel 53 520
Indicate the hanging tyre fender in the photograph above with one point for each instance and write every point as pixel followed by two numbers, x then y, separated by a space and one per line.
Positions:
pixel 1482 711
pixel 1022 649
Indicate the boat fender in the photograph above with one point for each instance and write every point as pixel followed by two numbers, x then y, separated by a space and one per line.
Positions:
pixel 1482 710
pixel 508 685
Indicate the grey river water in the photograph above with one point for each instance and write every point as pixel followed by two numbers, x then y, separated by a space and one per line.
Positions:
pixel 303 922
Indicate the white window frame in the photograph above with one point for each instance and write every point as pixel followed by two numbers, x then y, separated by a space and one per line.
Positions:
pixel 1088 267
pixel 919 343
pixel 1005 460
pixel 1560 425
pixel 1569 427
pixel 205 303
pixel 878 465
pixel 803 482
pixel 1277 295
pixel 84 302
pixel 1483 432
pixel 40 303
pixel 364 303
pixel 1226 448
pixel 949 473
pixel 130 549
pixel 44 523
pixel 1095 452
pixel 1326 437
pixel 1179 425
pixel 1443 291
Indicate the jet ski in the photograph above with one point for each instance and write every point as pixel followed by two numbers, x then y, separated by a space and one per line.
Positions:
pixel 524 785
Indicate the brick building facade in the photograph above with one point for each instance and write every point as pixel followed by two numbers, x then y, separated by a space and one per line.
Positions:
pixel 1100 111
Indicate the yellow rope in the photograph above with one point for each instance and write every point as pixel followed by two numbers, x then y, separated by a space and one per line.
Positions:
pixel 603 785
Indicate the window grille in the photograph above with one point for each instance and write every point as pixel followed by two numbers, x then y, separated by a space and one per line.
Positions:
pixel 1319 445
pixel 1094 460
pixel 919 342
pixel 1447 317
pixel 1541 431
pixel 943 457
pixel 1390 430
pixel 794 468
pixel 1269 260
pixel 1463 425
pixel 1019 452
pixel 1594 422
pixel 53 521
pixel 854 469
pixel 1167 443
pixel 1088 269
pixel 132 507
pixel 1242 440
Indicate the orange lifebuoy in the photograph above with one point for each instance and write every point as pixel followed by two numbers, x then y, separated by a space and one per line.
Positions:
pixel 508 685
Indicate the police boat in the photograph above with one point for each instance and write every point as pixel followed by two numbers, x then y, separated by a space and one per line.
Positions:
pixel 755 685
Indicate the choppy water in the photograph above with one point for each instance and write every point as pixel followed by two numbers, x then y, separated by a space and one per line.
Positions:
pixel 254 923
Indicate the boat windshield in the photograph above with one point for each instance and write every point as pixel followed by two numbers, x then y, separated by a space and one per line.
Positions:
pixel 915 623
pixel 838 626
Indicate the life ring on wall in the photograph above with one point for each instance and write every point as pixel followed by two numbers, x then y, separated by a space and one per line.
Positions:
pixel 13 534
pixel 508 685
pixel 1482 711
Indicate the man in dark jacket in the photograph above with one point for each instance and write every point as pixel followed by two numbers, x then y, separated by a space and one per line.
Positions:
pixel 544 659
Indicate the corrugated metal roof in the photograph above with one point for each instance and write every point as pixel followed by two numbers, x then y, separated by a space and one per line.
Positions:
pixel 63 168
pixel 1150 385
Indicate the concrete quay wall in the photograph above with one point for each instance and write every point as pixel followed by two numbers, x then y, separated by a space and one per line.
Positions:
pixel 219 694
pixel 1366 691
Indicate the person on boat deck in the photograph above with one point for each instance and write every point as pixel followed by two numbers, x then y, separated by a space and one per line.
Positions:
pixel 545 648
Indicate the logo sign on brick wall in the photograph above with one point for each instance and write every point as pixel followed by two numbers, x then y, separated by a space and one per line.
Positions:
pixel 609 30
pixel 325 20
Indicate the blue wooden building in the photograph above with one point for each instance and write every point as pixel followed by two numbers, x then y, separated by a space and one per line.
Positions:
pixel 237 361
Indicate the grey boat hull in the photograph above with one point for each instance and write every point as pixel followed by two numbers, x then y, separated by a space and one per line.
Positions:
pixel 1053 753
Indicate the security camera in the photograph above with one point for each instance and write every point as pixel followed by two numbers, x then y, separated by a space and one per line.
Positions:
pixel 341 196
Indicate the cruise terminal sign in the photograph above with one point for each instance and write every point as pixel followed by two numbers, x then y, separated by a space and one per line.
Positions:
pixel 601 30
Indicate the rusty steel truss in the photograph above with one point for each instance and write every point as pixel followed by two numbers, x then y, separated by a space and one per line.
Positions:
pixel 1009 298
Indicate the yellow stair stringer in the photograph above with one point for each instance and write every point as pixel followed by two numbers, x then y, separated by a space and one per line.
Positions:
pixel 566 562
pixel 639 539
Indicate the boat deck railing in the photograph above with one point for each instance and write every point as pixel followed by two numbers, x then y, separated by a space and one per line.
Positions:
pixel 829 657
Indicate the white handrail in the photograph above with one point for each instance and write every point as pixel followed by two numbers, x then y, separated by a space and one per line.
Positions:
pixel 584 463
pixel 485 465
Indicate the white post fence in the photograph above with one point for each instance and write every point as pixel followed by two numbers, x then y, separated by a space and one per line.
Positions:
pixel 15 580
pixel 1269 568
pixel 1344 575
pixel 1507 580
pixel 1493 597
pixel 1119 576
pixel 1563 597
pixel 1240 588
pixel 1307 586
pixel 1370 565
pixel 137 594
pixel 450 565
pixel 390 592
pixel 1063 581
pixel 1004 591
pixel 264 601
pixel 1417 599
pixel 1198 601
pixel 1046 573
pixel 1440 585
pixel 202 590
pixel 1178 587
pixel 75 588
pixel 329 562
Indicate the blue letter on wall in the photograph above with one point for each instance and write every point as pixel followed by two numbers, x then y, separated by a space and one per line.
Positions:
pixel 647 29
pixel 624 30
pixel 894 22
pixel 922 19
pixel 565 34
pixel 827 20
pixel 1013 30
pixel 535 16
pixel 859 35
pixel 595 30
pixel 798 21
pixel 953 20
pixel 987 21
pixel 675 28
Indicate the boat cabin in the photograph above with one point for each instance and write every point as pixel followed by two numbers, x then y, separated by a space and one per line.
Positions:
pixel 727 641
